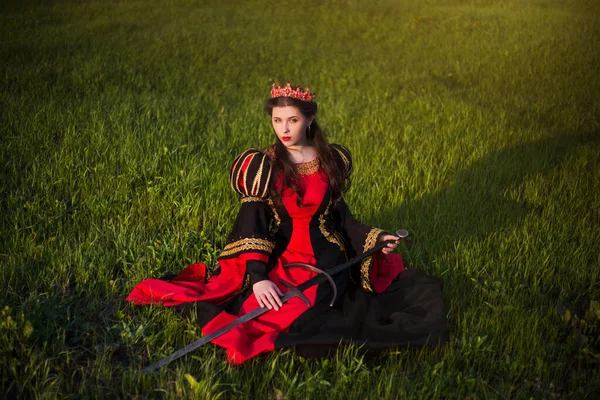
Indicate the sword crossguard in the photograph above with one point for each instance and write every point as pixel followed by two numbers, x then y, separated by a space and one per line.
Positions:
pixel 295 290
pixel 318 271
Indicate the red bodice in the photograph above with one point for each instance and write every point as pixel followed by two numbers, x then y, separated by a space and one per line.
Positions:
pixel 299 248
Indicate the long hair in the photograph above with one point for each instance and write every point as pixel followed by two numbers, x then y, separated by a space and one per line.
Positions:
pixel 316 137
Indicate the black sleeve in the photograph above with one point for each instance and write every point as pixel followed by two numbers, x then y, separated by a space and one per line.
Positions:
pixel 361 237
pixel 250 239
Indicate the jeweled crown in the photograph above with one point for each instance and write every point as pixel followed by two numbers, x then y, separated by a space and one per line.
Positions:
pixel 289 91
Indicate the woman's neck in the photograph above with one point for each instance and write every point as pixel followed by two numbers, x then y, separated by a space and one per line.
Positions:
pixel 302 153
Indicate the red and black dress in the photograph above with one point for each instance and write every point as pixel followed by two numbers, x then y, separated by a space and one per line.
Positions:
pixel 379 305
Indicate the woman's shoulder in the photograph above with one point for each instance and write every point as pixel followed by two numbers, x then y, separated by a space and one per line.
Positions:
pixel 251 173
pixel 342 156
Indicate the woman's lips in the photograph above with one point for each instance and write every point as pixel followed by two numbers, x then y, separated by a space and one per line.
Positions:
pixel 286 138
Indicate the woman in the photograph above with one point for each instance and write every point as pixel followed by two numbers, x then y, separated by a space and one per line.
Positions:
pixel 292 211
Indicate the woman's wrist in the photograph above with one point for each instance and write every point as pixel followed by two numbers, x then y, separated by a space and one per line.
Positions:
pixel 257 271
pixel 257 280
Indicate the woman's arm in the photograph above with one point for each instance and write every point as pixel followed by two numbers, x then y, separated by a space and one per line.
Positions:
pixel 361 237
pixel 376 272
pixel 250 239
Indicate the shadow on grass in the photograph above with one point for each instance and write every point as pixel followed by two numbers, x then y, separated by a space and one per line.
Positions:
pixel 476 204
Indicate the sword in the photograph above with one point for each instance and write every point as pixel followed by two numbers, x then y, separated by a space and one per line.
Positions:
pixel 294 291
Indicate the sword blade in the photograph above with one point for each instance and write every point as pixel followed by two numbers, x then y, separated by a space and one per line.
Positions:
pixel 202 341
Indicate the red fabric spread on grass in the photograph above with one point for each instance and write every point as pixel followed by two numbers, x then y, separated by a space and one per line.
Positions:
pixel 189 285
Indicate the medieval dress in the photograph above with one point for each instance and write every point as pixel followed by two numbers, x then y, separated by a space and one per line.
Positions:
pixel 379 305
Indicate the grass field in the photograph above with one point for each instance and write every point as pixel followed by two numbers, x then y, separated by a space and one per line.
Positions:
pixel 474 124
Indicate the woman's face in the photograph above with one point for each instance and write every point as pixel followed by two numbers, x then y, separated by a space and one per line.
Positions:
pixel 290 125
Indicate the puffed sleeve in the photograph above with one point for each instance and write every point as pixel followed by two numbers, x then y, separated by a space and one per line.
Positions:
pixel 361 237
pixel 250 242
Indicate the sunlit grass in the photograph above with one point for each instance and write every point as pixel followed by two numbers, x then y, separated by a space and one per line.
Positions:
pixel 474 124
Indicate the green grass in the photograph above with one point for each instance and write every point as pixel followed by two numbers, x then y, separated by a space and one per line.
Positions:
pixel 474 124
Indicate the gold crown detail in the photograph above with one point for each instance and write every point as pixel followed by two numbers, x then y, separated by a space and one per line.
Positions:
pixel 289 91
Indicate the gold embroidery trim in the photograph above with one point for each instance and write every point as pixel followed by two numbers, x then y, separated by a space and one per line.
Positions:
pixel 245 285
pixel 340 240
pixel 365 266
pixel 267 182
pixel 247 244
pixel 249 199
pixel 275 214
pixel 335 239
pixel 256 183
pixel 308 168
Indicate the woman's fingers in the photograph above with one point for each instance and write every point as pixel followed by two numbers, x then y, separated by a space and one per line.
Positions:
pixel 390 237
pixel 276 295
pixel 266 302
pixel 273 301
pixel 269 299
pixel 261 304
pixel 261 298
pixel 390 246
pixel 267 295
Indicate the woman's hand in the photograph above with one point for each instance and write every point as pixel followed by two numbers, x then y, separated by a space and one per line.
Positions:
pixel 390 246
pixel 267 294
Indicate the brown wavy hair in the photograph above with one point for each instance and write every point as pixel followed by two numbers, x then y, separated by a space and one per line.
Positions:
pixel 316 137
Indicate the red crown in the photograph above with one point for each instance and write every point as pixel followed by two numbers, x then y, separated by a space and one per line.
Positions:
pixel 289 91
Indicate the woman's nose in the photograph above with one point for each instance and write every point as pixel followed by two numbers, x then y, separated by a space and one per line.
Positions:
pixel 286 129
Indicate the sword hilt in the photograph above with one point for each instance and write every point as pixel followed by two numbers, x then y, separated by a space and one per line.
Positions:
pixel 295 290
